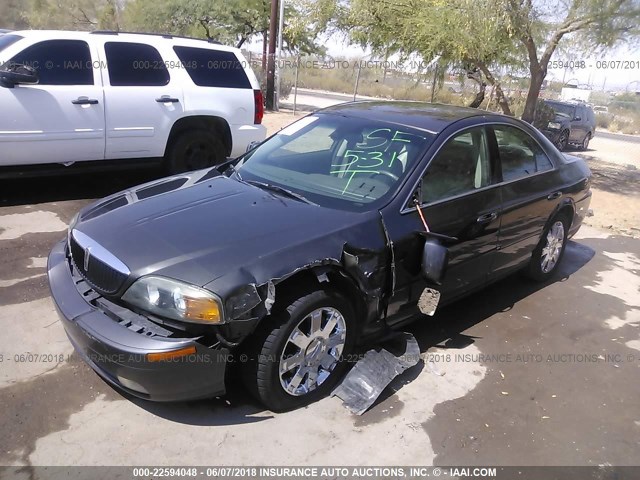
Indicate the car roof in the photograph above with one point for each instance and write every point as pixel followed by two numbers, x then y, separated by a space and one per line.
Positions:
pixel 137 36
pixel 432 117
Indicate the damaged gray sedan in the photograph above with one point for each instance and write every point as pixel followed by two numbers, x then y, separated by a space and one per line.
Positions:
pixel 341 227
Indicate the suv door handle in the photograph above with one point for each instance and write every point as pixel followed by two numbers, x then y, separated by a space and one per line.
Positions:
pixel 167 99
pixel 84 101
pixel 487 217
pixel 554 195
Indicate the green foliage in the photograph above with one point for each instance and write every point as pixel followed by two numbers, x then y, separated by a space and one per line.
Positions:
pixel 12 14
pixel 73 15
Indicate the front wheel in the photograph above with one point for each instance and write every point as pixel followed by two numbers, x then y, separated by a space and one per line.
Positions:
pixel 547 255
pixel 296 356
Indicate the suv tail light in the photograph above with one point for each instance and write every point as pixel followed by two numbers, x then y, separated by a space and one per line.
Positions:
pixel 259 106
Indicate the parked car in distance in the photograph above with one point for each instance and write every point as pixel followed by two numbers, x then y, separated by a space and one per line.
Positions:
pixel 574 123
pixel 106 96
pixel 308 245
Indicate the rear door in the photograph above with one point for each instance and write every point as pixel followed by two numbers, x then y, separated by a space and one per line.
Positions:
pixel 530 194
pixel 143 96
pixel 61 119
pixel 460 198
pixel 579 125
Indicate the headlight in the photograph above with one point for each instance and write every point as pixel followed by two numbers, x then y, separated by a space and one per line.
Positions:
pixel 554 126
pixel 174 299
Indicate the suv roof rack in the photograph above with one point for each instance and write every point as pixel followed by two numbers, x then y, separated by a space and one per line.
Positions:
pixel 163 35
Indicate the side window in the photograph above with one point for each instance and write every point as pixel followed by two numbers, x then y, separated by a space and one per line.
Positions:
pixel 213 68
pixel 461 166
pixel 59 62
pixel 520 155
pixel 135 65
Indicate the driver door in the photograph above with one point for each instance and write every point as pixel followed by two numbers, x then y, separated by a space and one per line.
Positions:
pixel 60 119
pixel 459 197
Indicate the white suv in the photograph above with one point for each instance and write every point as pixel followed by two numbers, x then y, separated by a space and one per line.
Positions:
pixel 78 96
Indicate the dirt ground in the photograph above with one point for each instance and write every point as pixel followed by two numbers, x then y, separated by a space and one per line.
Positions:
pixel 616 178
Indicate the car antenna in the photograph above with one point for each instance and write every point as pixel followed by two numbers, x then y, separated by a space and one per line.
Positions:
pixel 419 210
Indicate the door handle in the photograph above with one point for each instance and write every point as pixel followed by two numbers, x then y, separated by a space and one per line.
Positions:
pixel 554 195
pixel 167 99
pixel 487 217
pixel 84 101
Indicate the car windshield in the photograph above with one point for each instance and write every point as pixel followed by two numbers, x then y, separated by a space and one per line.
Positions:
pixel 7 40
pixel 568 110
pixel 337 161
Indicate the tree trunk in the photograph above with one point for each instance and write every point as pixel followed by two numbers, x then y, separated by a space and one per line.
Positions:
pixel 535 85
pixel 264 52
pixel 500 97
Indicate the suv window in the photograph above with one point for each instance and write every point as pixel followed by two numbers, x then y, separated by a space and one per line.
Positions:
pixel 213 68
pixel 520 155
pixel 6 40
pixel 462 165
pixel 59 62
pixel 135 65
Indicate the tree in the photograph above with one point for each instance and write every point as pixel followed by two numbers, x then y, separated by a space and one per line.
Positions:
pixel 593 24
pixel 74 14
pixel 12 15
pixel 229 22
pixel 468 33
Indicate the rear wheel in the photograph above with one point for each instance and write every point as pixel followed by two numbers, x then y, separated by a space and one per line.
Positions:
pixel 585 143
pixel 194 150
pixel 296 356
pixel 549 252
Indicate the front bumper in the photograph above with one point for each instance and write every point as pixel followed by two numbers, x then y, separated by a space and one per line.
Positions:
pixel 117 349
pixel 244 135
pixel 552 135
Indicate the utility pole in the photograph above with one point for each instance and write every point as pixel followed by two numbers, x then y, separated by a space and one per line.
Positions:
pixel 279 56
pixel 271 61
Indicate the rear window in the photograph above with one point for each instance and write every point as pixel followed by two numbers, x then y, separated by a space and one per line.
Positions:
pixel 213 68
pixel 135 65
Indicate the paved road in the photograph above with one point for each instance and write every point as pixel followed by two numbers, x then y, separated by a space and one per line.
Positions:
pixel 309 99
pixel 520 374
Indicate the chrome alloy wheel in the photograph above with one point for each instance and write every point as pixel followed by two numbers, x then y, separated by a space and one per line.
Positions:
pixel 312 351
pixel 553 248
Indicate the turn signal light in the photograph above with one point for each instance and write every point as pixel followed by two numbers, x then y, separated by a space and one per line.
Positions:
pixel 164 356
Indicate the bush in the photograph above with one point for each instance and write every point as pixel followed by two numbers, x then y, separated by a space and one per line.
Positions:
pixel 603 120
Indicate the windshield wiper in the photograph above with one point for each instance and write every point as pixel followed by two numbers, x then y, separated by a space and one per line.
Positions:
pixel 282 190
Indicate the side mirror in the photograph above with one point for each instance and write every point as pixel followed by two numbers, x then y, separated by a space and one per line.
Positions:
pixel 19 74
pixel 577 119
pixel 435 257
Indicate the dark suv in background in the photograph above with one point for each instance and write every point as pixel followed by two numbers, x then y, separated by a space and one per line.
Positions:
pixel 568 122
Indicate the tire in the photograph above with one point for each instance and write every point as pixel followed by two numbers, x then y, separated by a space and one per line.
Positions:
pixel 548 254
pixel 563 140
pixel 194 150
pixel 585 143
pixel 275 363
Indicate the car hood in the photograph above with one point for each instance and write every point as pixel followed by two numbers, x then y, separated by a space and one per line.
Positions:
pixel 220 233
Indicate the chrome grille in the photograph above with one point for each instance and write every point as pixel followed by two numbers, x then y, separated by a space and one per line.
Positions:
pixel 98 273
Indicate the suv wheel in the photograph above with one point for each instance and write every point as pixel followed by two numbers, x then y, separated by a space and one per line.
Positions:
pixel 296 356
pixel 563 140
pixel 194 150
pixel 585 142
pixel 547 255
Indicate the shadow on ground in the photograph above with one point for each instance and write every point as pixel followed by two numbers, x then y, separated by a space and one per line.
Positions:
pixel 72 186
